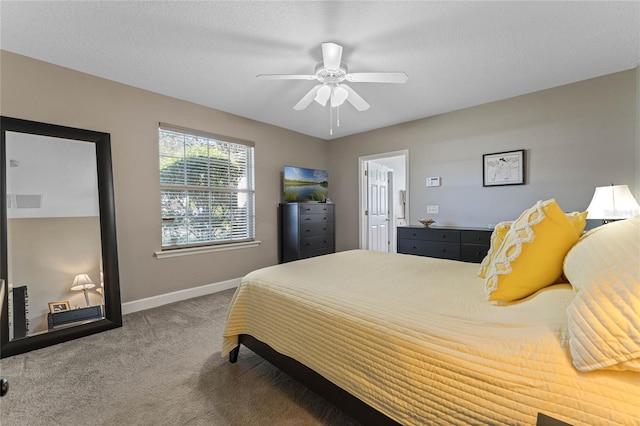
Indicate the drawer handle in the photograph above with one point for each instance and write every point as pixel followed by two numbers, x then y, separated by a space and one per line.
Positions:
pixel 444 236
pixel 307 230
pixel 444 250
pixel 307 218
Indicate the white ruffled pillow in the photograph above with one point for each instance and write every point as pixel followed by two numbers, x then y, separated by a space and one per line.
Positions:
pixel 604 317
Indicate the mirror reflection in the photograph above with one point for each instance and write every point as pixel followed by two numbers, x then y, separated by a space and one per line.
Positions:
pixel 54 257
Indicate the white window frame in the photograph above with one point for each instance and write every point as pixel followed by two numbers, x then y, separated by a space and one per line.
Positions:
pixel 181 249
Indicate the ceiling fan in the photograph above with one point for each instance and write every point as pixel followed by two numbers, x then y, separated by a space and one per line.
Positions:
pixel 332 75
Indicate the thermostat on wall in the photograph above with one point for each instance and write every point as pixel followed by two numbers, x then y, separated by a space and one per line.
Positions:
pixel 433 181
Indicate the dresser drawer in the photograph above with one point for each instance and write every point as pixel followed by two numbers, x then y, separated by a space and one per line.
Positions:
pixel 429 234
pixel 314 243
pixel 315 208
pixel 475 237
pixel 316 229
pixel 442 250
pixel 315 218
pixel 473 252
pixel 313 253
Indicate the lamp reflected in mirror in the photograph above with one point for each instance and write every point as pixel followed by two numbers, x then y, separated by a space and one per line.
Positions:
pixel 82 282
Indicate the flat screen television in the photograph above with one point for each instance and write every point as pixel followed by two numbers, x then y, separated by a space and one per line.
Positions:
pixel 302 184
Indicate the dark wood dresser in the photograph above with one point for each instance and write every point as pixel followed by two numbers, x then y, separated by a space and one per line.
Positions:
pixel 466 244
pixel 306 230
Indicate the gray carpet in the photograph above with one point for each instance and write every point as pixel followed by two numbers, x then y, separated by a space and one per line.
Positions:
pixel 163 367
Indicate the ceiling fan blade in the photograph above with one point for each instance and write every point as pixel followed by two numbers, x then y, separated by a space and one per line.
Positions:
pixel 355 99
pixel 377 77
pixel 307 99
pixel 286 77
pixel 331 55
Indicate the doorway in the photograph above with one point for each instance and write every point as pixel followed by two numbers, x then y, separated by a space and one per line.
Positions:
pixel 384 205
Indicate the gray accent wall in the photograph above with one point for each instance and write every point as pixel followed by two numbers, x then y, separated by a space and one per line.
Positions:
pixel 576 137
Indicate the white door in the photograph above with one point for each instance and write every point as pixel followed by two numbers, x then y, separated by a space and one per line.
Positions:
pixel 378 206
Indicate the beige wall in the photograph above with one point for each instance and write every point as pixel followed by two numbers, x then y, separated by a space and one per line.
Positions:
pixel 576 137
pixel 35 90
pixel 45 254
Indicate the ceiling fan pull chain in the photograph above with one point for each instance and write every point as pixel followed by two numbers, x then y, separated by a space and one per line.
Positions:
pixel 338 115
pixel 330 120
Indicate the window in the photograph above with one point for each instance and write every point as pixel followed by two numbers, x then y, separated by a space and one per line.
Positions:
pixel 206 188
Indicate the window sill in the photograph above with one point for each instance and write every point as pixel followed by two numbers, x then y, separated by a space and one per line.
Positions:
pixel 206 249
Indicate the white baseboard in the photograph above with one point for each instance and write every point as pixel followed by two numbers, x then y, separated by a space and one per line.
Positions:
pixel 176 296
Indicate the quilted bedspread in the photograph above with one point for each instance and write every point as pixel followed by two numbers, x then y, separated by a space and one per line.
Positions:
pixel 415 338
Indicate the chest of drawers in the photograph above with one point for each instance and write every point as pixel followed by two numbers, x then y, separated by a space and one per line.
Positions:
pixel 306 230
pixel 466 244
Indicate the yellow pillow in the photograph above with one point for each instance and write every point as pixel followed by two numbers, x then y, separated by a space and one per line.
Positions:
pixel 531 255
pixel 497 236
pixel 577 219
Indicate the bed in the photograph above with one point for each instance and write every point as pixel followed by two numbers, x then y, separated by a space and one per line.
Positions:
pixel 415 341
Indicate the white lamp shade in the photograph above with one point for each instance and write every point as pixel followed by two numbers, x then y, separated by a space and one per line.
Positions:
pixel 612 202
pixel 322 95
pixel 82 282
pixel 338 96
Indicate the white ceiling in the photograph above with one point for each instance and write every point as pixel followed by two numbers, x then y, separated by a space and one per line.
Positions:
pixel 456 54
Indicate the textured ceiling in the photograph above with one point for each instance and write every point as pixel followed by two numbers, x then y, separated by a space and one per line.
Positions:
pixel 456 54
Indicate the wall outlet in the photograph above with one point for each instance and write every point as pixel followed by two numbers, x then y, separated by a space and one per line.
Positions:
pixel 433 209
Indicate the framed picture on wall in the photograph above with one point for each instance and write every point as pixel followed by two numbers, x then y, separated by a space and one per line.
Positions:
pixel 503 168
pixel 59 306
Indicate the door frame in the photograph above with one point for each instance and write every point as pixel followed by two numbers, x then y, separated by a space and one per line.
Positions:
pixel 362 192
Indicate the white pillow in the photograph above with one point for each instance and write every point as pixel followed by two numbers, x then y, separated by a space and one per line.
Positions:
pixel 604 317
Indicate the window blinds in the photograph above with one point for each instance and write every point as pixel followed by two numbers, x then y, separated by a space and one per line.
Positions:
pixel 207 188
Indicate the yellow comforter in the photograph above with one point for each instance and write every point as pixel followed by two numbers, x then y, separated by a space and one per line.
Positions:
pixel 414 338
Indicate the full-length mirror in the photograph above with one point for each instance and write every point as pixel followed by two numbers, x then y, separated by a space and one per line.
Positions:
pixel 58 262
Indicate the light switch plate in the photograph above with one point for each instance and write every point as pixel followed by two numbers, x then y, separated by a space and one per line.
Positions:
pixel 433 181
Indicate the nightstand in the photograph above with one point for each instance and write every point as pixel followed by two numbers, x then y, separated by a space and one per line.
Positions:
pixel 72 317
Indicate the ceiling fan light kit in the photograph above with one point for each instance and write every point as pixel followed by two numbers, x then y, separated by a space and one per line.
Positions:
pixel 332 74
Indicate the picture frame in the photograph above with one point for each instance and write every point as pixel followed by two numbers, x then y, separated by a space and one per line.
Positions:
pixel 59 306
pixel 503 168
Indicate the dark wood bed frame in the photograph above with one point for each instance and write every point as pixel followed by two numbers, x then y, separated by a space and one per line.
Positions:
pixel 342 399
pixel 334 394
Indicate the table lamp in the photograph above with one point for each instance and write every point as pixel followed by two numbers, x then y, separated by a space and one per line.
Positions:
pixel 613 202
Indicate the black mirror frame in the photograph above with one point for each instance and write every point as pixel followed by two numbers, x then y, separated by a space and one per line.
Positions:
pixel 113 308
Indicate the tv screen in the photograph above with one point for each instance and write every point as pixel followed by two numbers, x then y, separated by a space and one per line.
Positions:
pixel 302 184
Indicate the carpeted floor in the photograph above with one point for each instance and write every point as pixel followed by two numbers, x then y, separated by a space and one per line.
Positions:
pixel 163 367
